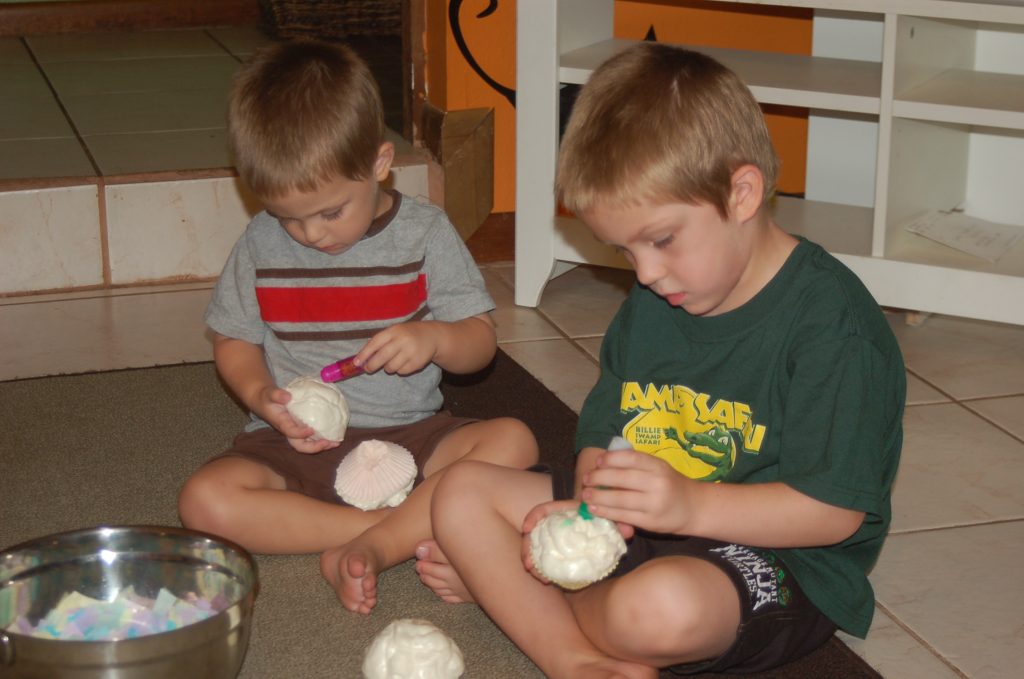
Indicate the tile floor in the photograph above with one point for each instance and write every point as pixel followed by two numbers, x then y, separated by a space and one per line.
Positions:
pixel 949 580
pixel 112 142
pixel 110 104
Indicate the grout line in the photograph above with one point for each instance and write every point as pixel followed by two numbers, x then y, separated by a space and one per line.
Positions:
pixel 985 418
pixel 975 524
pixel 921 640
pixel 134 290
pixel 567 336
pixel 931 384
pixel 963 403
pixel 221 44
pixel 101 207
pixel 557 327
pixel 63 109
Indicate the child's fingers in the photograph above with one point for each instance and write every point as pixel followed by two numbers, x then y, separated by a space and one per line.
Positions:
pixel 625 459
pixel 622 478
pixel 633 507
pixel 624 518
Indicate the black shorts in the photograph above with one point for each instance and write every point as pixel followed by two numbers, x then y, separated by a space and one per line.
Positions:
pixel 313 474
pixel 778 624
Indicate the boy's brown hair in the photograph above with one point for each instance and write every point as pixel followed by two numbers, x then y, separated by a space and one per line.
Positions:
pixel 302 112
pixel 658 123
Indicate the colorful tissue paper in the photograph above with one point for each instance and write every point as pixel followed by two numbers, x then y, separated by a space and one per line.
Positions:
pixel 128 616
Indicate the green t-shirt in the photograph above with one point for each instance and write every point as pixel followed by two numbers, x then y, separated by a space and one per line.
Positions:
pixel 803 384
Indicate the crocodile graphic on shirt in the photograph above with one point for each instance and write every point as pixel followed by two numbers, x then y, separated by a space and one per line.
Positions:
pixel 716 447
pixel 699 435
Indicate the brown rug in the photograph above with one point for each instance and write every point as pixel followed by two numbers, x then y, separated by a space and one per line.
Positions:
pixel 113 448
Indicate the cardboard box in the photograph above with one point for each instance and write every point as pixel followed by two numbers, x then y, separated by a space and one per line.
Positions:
pixel 463 143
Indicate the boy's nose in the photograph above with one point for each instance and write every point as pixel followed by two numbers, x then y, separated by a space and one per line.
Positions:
pixel 312 231
pixel 647 272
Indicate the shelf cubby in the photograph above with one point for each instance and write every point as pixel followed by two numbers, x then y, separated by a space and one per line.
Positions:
pixel 935 115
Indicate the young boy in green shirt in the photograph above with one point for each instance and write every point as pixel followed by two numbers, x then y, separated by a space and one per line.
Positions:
pixel 759 385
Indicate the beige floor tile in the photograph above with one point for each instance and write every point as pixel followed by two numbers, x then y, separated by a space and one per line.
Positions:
pixel 239 40
pixel 103 333
pixel 959 590
pixel 1007 413
pixel 583 301
pixel 125 112
pixel 514 323
pixel 71 78
pixel 592 345
pixel 121 45
pixel 956 469
pixel 920 392
pixel 24 81
pixel 12 51
pixel 55 157
pixel 963 357
pixel 33 118
pixel 559 365
pixel 896 654
pixel 139 152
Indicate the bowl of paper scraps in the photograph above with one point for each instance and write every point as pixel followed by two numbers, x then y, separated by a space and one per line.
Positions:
pixel 125 602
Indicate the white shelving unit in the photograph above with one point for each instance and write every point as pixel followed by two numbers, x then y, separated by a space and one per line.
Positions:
pixel 936 87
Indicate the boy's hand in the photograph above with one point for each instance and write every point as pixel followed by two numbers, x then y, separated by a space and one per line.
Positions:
pixel 537 514
pixel 401 349
pixel 637 489
pixel 271 408
pixel 530 522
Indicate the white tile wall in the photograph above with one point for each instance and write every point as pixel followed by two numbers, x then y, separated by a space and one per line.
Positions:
pixel 156 231
pixel 167 230
pixel 50 239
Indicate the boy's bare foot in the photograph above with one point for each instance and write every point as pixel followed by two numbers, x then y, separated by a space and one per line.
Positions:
pixel 438 574
pixel 353 575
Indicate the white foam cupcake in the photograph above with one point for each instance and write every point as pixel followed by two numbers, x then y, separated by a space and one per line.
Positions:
pixel 375 474
pixel 413 649
pixel 572 551
pixel 319 405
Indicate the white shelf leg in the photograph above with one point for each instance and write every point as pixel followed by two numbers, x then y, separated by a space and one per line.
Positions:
pixel 536 145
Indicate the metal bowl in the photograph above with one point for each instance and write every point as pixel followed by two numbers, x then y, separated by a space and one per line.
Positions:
pixel 102 562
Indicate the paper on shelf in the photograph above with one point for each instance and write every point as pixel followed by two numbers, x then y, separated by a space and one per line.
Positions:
pixel 988 240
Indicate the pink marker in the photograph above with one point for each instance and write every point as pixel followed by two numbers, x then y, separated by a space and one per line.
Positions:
pixel 342 370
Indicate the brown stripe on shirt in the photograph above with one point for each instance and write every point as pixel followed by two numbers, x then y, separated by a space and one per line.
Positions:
pixel 342 272
pixel 335 335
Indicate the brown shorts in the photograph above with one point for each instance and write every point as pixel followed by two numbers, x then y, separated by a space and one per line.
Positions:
pixel 313 474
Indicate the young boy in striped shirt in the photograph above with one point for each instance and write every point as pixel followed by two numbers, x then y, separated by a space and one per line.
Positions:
pixel 337 265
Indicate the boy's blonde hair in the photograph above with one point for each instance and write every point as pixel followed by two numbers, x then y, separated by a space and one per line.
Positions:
pixel 301 113
pixel 658 123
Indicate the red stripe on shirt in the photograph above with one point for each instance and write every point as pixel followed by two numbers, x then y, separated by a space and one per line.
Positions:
pixel 341 304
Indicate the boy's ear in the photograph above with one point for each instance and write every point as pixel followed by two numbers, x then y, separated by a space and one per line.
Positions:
pixel 747 192
pixel 385 156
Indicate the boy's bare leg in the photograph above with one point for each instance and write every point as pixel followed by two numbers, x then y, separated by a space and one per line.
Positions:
pixel 487 554
pixel 246 502
pixel 438 574
pixel 352 568
pixel 667 611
